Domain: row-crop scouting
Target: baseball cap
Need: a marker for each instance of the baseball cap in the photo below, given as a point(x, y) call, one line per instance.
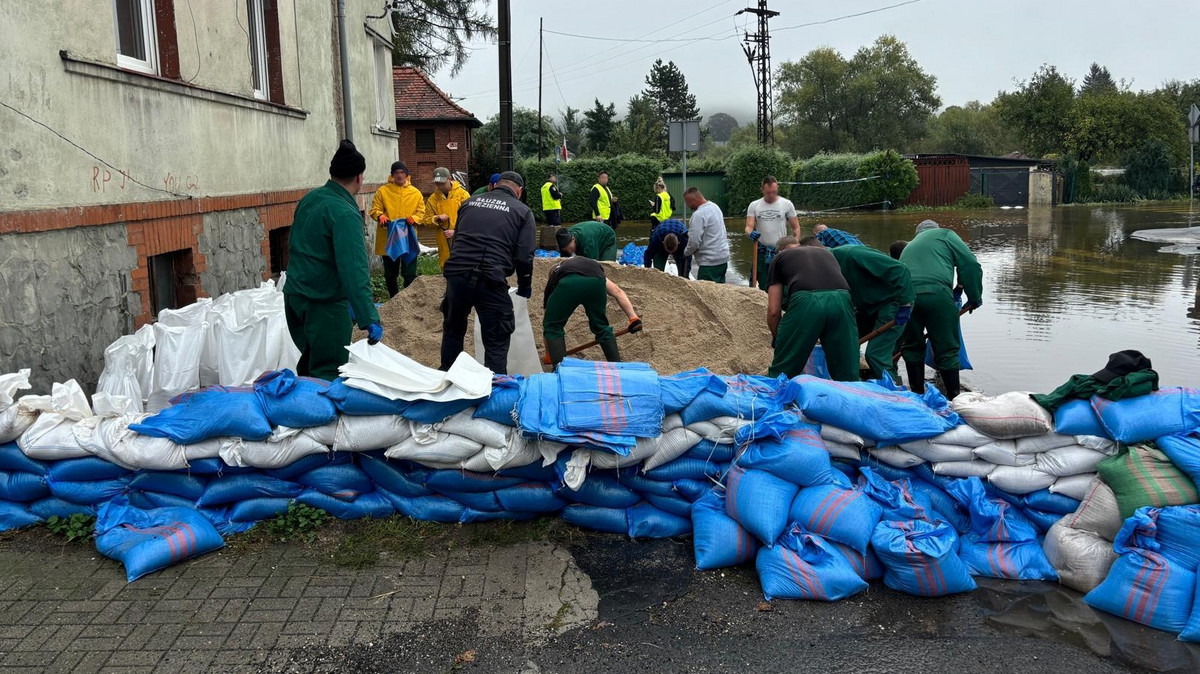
point(1122, 363)
point(494, 179)
point(512, 177)
point(441, 174)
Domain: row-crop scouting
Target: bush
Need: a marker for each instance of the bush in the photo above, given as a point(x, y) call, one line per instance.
point(77, 527)
point(300, 522)
point(631, 179)
point(1114, 193)
point(1148, 168)
point(898, 178)
point(746, 170)
point(975, 201)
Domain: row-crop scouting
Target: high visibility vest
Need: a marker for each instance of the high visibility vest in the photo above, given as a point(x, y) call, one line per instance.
point(549, 203)
point(664, 213)
point(604, 205)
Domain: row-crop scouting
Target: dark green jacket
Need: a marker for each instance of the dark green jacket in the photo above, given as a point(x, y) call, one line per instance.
point(932, 258)
point(876, 280)
point(595, 240)
point(327, 259)
point(1084, 386)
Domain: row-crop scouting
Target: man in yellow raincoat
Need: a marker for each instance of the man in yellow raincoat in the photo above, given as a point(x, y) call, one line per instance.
point(398, 201)
point(441, 211)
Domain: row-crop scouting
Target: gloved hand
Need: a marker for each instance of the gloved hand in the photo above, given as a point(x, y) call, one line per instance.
point(410, 221)
point(635, 325)
point(972, 306)
point(374, 333)
point(755, 236)
point(525, 289)
point(903, 314)
point(383, 220)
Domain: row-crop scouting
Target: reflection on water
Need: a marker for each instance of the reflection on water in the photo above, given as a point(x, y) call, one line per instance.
point(1050, 611)
point(1063, 288)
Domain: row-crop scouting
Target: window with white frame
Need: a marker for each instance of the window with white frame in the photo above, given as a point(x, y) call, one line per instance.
point(258, 48)
point(385, 104)
point(136, 44)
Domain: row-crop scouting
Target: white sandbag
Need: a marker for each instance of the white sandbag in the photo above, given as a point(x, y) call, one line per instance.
point(477, 463)
point(1081, 558)
point(642, 450)
point(283, 448)
point(895, 457)
point(445, 448)
point(936, 451)
point(1004, 453)
point(520, 451)
point(721, 430)
point(577, 468)
point(209, 449)
point(380, 370)
point(110, 439)
point(672, 421)
point(672, 445)
point(1073, 486)
point(10, 384)
point(1073, 460)
point(1004, 417)
point(1043, 443)
point(120, 375)
point(963, 435)
point(484, 431)
point(974, 468)
point(179, 337)
point(549, 450)
point(1098, 512)
point(1109, 447)
point(14, 418)
point(522, 350)
point(326, 434)
point(1020, 479)
point(51, 437)
point(363, 434)
point(842, 436)
point(838, 450)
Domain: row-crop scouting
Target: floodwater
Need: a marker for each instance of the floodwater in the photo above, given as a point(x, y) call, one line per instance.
point(1063, 287)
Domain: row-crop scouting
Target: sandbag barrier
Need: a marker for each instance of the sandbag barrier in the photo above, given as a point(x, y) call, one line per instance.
point(823, 485)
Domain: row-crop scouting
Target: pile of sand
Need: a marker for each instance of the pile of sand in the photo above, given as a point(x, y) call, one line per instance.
point(688, 324)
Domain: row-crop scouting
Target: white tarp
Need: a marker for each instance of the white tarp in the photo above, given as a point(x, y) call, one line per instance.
point(382, 371)
point(522, 350)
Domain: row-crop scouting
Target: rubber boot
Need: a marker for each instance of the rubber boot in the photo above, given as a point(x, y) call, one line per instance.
point(557, 350)
point(916, 376)
point(951, 381)
point(611, 353)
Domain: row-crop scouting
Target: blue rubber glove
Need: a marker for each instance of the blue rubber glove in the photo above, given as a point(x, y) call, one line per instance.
point(374, 333)
point(903, 314)
point(973, 306)
point(755, 235)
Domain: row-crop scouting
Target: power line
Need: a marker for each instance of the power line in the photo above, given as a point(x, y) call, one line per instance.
point(847, 16)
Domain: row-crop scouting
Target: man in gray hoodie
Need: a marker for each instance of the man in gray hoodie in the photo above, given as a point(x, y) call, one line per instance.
point(707, 239)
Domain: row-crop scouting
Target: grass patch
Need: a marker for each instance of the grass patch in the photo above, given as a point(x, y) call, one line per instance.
point(427, 265)
point(965, 203)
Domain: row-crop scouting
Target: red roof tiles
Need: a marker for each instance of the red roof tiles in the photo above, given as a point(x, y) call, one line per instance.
point(418, 98)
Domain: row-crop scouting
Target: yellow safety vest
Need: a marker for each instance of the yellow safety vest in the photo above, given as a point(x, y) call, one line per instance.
point(549, 203)
point(604, 205)
point(664, 213)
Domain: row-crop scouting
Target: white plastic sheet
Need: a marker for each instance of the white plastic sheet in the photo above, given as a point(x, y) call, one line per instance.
point(522, 349)
point(52, 436)
point(14, 418)
point(382, 371)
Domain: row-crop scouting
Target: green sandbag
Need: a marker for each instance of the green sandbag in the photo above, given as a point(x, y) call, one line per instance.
point(1142, 475)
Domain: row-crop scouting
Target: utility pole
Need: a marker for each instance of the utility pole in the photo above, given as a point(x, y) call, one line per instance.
point(1193, 138)
point(757, 47)
point(504, 26)
point(541, 51)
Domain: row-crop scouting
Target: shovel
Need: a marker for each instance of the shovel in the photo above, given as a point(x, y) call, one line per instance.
point(571, 352)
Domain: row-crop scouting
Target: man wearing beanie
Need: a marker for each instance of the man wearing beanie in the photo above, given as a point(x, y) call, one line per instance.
point(494, 238)
point(397, 204)
point(327, 270)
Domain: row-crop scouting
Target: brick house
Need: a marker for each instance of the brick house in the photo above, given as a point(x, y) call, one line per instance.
point(434, 130)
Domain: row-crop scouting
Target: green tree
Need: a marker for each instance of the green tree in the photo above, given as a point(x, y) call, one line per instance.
point(641, 130)
point(812, 101)
point(525, 132)
point(973, 128)
point(600, 122)
point(1097, 81)
point(432, 34)
point(668, 88)
point(572, 129)
point(1038, 112)
point(1181, 95)
point(721, 126)
point(1107, 126)
point(1148, 169)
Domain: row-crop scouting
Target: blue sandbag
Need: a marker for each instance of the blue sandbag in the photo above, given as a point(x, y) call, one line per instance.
point(1168, 411)
point(679, 390)
point(818, 364)
point(16, 516)
point(371, 504)
point(609, 398)
point(234, 488)
point(530, 497)
point(632, 254)
point(644, 485)
point(85, 469)
point(501, 405)
point(691, 489)
point(295, 469)
point(1041, 519)
point(874, 411)
point(220, 520)
point(1148, 588)
point(1184, 452)
point(675, 505)
point(1047, 501)
point(920, 558)
point(600, 489)
point(215, 466)
point(473, 515)
point(476, 500)
point(391, 476)
point(22, 487)
point(258, 509)
point(93, 492)
point(921, 471)
point(534, 472)
point(718, 540)
point(358, 403)
point(430, 412)
point(465, 480)
point(686, 468)
point(944, 505)
point(1078, 418)
point(344, 482)
point(148, 500)
point(215, 412)
point(646, 521)
point(1191, 631)
point(992, 519)
point(803, 566)
point(1178, 533)
point(747, 396)
point(598, 518)
point(759, 501)
point(14, 460)
point(295, 402)
point(1019, 560)
point(866, 565)
point(798, 457)
point(707, 450)
point(187, 486)
point(427, 508)
point(898, 499)
point(146, 541)
point(842, 515)
point(55, 507)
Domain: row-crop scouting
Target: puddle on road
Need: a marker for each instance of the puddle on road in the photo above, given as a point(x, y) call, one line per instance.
point(1050, 611)
point(630, 577)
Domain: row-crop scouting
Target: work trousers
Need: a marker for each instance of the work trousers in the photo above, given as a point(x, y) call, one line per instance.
point(714, 273)
point(827, 315)
point(572, 292)
point(881, 348)
point(321, 331)
point(491, 302)
point(682, 262)
point(765, 255)
point(935, 311)
point(553, 218)
point(394, 270)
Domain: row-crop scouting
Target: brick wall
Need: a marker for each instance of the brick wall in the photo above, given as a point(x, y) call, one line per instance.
point(422, 164)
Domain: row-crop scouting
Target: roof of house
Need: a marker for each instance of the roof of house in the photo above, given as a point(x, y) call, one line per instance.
point(419, 99)
point(1010, 159)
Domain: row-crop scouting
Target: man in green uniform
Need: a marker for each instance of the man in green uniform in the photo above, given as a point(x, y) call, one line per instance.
point(590, 238)
point(881, 290)
point(932, 258)
point(575, 282)
point(818, 307)
point(327, 270)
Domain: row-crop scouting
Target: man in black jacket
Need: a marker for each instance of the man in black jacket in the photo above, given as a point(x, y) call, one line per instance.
point(495, 236)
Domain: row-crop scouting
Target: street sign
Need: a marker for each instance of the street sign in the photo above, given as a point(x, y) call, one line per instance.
point(683, 136)
point(1194, 135)
point(451, 146)
point(1194, 116)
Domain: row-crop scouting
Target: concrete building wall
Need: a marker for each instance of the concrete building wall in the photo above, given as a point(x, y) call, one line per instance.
point(1041, 188)
point(232, 245)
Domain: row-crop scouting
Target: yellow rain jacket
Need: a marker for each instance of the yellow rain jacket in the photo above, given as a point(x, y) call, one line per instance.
point(444, 204)
point(397, 203)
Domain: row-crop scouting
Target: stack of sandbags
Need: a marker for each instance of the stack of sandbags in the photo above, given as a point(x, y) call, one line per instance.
point(1079, 546)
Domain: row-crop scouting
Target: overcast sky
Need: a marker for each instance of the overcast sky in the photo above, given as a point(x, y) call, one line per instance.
point(974, 48)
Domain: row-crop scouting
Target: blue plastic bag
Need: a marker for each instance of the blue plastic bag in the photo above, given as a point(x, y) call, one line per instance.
point(14, 460)
point(898, 499)
point(146, 541)
point(538, 412)
point(691, 489)
point(920, 558)
point(22, 487)
point(870, 409)
point(179, 484)
point(598, 518)
point(718, 540)
point(401, 242)
point(707, 450)
point(392, 477)
point(501, 405)
point(866, 565)
point(632, 254)
point(1041, 519)
point(84, 469)
point(804, 566)
point(472, 515)
point(679, 390)
point(759, 501)
point(1147, 588)
point(295, 402)
point(427, 508)
point(467, 481)
point(1078, 418)
point(92, 492)
point(16, 516)
point(944, 506)
point(293, 470)
point(992, 519)
point(148, 500)
point(646, 521)
point(817, 365)
point(258, 509)
point(746, 396)
point(430, 412)
point(55, 507)
point(215, 412)
point(795, 452)
point(358, 403)
point(530, 497)
point(1018, 560)
point(479, 501)
point(616, 398)
point(1178, 533)
point(344, 482)
point(1047, 501)
point(534, 472)
point(686, 468)
point(1184, 452)
point(964, 361)
point(371, 504)
point(234, 488)
point(600, 489)
point(676, 505)
point(1169, 411)
point(842, 515)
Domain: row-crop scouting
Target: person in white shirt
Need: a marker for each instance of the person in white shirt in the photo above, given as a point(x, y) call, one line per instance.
point(708, 241)
point(766, 221)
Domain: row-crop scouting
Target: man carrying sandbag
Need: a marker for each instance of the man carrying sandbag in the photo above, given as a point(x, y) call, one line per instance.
point(933, 257)
point(575, 282)
point(495, 236)
point(590, 239)
point(327, 269)
point(818, 307)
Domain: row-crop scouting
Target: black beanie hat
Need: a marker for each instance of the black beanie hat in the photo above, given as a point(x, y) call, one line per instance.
point(563, 238)
point(347, 161)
